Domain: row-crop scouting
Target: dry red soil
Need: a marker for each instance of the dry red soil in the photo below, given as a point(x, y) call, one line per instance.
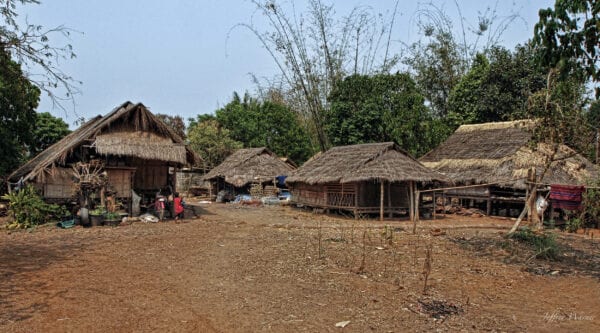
point(278, 269)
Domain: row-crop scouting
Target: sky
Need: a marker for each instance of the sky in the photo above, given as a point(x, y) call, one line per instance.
point(184, 57)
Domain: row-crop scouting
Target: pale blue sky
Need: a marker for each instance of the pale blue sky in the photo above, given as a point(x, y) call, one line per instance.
point(174, 56)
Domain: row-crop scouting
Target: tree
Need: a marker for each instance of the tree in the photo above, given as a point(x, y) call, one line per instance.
point(47, 131)
point(18, 101)
point(268, 124)
point(568, 38)
point(31, 47)
point(439, 61)
point(315, 50)
point(380, 108)
point(496, 88)
point(176, 123)
point(212, 142)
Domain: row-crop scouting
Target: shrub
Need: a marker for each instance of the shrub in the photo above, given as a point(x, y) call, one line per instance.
point(27, 209)
point(544, 244)
point(573, 224)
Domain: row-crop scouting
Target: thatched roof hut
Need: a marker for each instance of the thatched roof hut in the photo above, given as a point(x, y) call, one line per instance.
point(250, 165)
point(365, 178)
point(365, 162)
point(502, 152)
point(129, 139)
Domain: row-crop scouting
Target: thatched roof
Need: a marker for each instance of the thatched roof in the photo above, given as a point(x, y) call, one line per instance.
point(250, 165)
point(129, 130)
point(372, 161)
point(492, 152)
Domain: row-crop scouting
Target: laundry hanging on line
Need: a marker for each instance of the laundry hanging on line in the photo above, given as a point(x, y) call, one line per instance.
point(566, 196)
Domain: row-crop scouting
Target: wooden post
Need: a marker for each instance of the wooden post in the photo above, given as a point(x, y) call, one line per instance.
point(416, 215)
point(489, 202)
point(434, 205)
point(411, 201)
point(356, 188)
point(381, 200)
point(389, 198)
point(535, 218)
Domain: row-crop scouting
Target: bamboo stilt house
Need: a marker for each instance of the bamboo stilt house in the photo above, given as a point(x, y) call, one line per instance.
point(500, 154)
point(136, 149)
point(361, 179)
point(245, 167)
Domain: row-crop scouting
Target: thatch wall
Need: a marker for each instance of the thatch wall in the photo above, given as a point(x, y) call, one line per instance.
point(501, 152)
point(366, 162)
point(250, 165)
point(144, 145)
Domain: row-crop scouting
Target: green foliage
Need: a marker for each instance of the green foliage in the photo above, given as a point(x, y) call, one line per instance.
point(34, 47)
point(48, 130)
point(437, 66)
point(591, 203)
point(568, 38)
point(266, 124)
point(27, 209)
point(381, 108)
point(573, 224)
point(497, 87)
point(544, 244)
point(211, 141)
point(18, 101)
point(559, 109)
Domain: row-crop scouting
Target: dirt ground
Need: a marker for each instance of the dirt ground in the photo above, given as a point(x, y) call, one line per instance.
point(279, 269)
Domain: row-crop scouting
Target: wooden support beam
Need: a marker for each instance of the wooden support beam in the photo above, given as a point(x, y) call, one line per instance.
point(381, 200)
point(389, 199)
point(356, 188)
point(410, 200)
point(434, 205)
point(417, 200)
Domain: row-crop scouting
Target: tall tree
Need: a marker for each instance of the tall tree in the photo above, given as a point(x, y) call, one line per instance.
point(48, 130)
point(34, 47)
point(315, 50)
point(497, 87)
point(380, 108)
point(568, 37)
point(211, 141)
point(18, 101)
point(440, 59)
point(258, 123)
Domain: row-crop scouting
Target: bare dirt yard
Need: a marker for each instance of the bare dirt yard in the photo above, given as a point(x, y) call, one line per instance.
point(279, 269)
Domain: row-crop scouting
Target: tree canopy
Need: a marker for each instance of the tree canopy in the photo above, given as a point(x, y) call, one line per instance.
point(18, 101)
point(211, 141)
point(568, 37)
point(379, 108)
point(497, 87)
point(266, 124)
point(48, 130)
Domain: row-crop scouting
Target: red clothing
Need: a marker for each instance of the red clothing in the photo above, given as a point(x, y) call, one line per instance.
point(178, 206)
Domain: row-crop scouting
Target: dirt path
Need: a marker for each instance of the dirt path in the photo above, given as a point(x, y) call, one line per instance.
point(276, 269)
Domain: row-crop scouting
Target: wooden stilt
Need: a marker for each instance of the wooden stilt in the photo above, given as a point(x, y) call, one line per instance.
point(417, 201)
point(381, 200)
point(410, 201)
point(434, 205)
point(356, 189)
point(389, 199)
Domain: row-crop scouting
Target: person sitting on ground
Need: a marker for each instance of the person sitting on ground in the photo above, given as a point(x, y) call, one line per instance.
point(178, 206)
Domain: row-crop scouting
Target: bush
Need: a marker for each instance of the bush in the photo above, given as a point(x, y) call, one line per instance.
point(573, 224)
point(544, 244)
point(27, 209)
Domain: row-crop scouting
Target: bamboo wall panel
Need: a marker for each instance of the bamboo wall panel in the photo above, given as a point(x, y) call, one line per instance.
point(120, 181)
point(59, 184)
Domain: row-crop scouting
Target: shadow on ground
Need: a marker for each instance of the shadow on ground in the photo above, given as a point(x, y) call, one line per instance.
point(19, 262)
